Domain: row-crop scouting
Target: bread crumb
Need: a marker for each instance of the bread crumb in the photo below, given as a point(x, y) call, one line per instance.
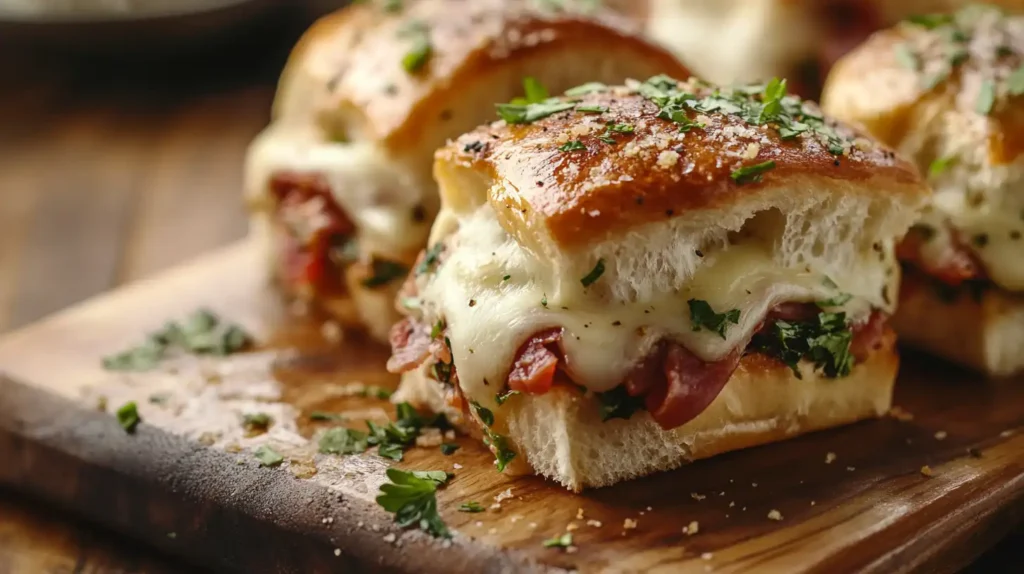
point(449, 435)
point(359, 524)
point(649, 509)
point(507, 494)
point(579, 514)
point(692, 528)
point(851, 468)
point(812, 503)
point(774, 514)
point(532, 525)
point(830, 457)
point(594, 523)
point(754, 484)
point(492, 531)
point(375, 528)
point(629, 524)
point(940, 435)
point(516, 518)
point(571, 526)
point(337, 551)
point(1006, 433)
point(495, 506)
point(752, 150)
point(478, 524)
point(668, 158)
point(697, 497)
point(389, 537)
point(571, 549)
point(900, 414)
point(429, 437)
point(927, 470)
point(731, 504)
point(456, 466)
point(707, 556)
point(331, 332)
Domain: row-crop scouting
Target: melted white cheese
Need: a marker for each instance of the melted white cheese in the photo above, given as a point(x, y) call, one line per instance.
point(492, 295)
point(994, 235)
point(373, 189)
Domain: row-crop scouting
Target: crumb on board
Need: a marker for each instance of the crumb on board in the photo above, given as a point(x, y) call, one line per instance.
point(774, 514)
point(579, 514)
point(830, 457)
point(851, 468)
point(594, 523)
point(1006, 433)
point(697, 497)
point(900, 414)
point(707, 556)
point(337, 551)
point(940, 435)
point(449, 435)
point(331, 331)
point(812, 503)
point(504, 495)
point(390, 537)
point(629, 524)
point(429, 437)
point(927, 471)
point(692, 528)
point(571, 526)
point(456, 466)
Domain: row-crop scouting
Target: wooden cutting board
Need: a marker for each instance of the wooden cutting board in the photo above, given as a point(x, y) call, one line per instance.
point(187, 480)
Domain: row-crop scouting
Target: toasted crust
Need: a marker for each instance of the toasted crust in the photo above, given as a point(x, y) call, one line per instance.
point(561, 436)
point(932, 109)
point(347, 70)
point(656, 172)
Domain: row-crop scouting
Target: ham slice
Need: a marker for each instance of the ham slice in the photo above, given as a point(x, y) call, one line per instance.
point(410, 345)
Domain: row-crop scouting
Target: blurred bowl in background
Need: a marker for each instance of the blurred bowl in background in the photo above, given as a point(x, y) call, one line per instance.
point(132, 29)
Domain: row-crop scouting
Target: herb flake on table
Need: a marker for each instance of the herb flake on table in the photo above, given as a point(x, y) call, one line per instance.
point(201, 333)
point(563, 541)
point(412, 498)
point(268, 457)
point(128, 416)
point(471, 506)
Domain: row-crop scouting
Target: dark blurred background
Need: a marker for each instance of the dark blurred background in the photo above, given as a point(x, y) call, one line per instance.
point(121, 149)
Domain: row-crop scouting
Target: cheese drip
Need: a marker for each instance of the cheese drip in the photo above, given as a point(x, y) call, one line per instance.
point(994, 234)
point(493, 295)
point(371, 188)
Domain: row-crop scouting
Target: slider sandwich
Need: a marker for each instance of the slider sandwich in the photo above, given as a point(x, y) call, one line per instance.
point(339, 184)
point(947, 91)
point(654, 273)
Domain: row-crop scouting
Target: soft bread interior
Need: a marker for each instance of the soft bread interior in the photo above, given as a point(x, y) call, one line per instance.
point(562, 437)
point(981, 330)
point(843, 230)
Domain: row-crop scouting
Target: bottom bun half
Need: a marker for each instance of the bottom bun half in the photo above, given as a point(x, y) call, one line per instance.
point(560, 435)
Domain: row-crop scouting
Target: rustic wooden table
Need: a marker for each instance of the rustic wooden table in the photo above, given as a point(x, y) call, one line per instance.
point(110, 171)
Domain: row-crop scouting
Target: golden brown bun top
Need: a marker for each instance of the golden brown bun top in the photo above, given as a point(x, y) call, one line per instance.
point(938, 81)
point(356, 70)
point(583, 174)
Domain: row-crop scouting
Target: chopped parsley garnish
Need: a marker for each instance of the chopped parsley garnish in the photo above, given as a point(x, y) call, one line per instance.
point(931, 21)
point(325, 416)
point(375, 392)
point(485, 414)
point(535, 92)
point(449, 448)
point(584, 89)
point(572, 145)
point(128, 416)
point(529, 113)
point(420, 50)
point(340, 440)
point(563, 541)
point(837, 301)
point(751, 173)
point(594, 274)
point(268, 456)
point(257, 422)
point(431, 258)
point(1015, 82)
point(500, 398)
point(437, 329)
point(907, 58)
point(938, 166)
point(384, 272)
point(201, 333)
point(411, 496)
point(471, 506)
point(825, 341)
point(702, 316)
point(503, 453)
point(594, 109)
point(755, 104)
point(618, 404)
point(986, 98)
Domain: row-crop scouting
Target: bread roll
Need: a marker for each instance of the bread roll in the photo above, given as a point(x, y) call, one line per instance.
point(339, 183)
point(712, 265)
point(945, 90)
